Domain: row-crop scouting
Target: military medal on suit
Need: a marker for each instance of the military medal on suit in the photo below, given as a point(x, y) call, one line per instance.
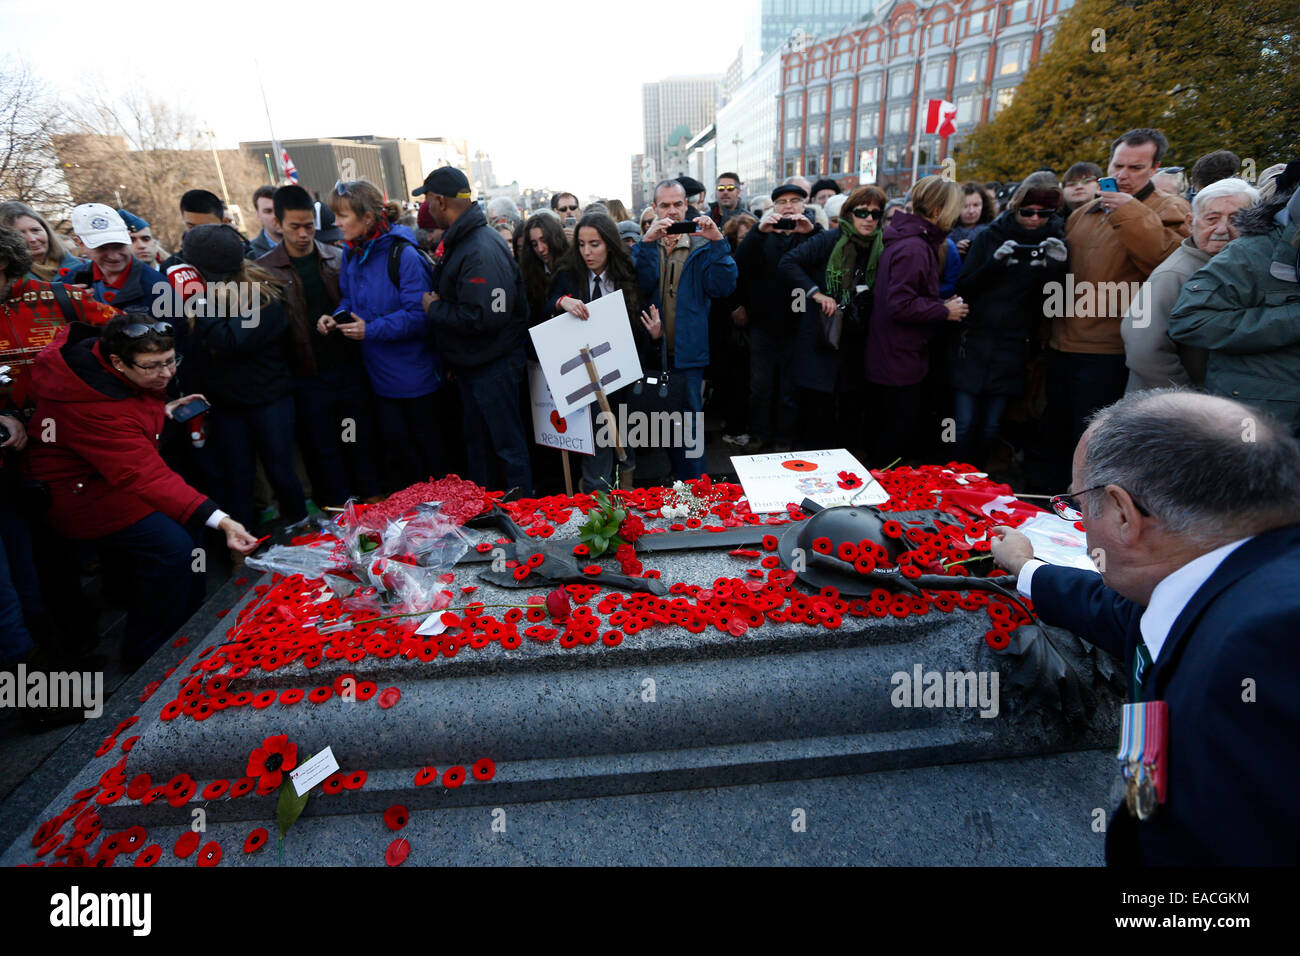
point(1143, 744)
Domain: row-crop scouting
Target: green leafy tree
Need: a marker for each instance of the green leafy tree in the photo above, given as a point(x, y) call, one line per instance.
point(1218, 74)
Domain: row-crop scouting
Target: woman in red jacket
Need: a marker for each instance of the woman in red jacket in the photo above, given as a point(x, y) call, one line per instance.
point(100, 409)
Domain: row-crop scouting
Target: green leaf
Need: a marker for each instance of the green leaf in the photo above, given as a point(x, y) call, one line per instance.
point(619, 515)
point(598, 545)
point(291, 805)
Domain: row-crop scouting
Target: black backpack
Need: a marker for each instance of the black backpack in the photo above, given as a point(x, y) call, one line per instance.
point(395, 260)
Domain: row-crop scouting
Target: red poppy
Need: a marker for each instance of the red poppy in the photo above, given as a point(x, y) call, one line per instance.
point(139, 786)
point(453, 777)
point(269, 761)
point(425, 776)
point(215, 789)
point(612, 638)
point(333, 783)
point(291, 696)
point(355, 780)
point(592, 569)
point(484, 769)
point(256, 840)
point(186, 844)
point(319, 695)
point(242, 786)
point(210, 855)
point(149, 856)
point(388, 697)
point(397, 852)
point(848, 480)
point(395, 817)
point(997, 639)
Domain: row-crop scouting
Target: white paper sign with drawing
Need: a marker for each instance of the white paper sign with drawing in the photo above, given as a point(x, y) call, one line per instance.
point(829, 477)
point(570, 432)
point(607, 336)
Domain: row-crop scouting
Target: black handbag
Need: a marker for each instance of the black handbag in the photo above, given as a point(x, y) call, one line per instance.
point(830, 328)
point(661, 391)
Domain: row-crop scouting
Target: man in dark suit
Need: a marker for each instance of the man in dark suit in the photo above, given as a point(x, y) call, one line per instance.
point(1192, 509)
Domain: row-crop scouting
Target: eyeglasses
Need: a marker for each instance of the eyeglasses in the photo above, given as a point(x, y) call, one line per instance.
point(137, 329)
point(1036, 213)
point(567, 208)
point(727, 189)
point(172, 363)
point(861, 212)
point(1067, 506)
point(1082, 182)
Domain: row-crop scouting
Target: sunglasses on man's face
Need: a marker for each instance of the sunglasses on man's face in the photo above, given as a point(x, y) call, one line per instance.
point(863, 213)
point(727, 189)
point(567, 208)
point(1037, 213)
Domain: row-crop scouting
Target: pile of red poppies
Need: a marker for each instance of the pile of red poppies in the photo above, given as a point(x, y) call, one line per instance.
point(299, 620)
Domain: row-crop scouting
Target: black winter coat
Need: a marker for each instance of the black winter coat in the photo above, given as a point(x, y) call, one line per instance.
point(762, 290)
point(482, 309)
point(241, 361)
point(818, 368)
point(989, 350)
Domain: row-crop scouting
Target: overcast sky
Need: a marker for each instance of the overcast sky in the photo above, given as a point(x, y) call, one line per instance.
point(550, 90)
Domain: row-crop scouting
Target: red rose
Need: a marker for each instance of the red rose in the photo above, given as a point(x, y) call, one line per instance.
point(557, 605)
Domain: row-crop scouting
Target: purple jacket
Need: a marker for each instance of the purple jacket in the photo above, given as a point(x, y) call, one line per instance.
point(907, 310)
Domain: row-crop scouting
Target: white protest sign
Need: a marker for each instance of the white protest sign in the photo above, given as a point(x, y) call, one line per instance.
point(570, 432)
point(773, 481)
point(606, 334)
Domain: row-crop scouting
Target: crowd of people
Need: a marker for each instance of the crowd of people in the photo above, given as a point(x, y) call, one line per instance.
point(354, 345)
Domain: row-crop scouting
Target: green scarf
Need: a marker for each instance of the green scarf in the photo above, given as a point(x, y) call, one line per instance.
point(843, 262)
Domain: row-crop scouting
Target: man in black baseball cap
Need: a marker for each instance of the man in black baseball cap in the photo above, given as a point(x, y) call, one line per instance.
point(478, 317)
point(445, 181)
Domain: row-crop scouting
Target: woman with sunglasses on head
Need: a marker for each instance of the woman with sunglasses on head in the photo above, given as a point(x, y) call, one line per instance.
point(1003, 280)
point(836, 271)
point(101, 402)
point(382, 285)
point(240, 346)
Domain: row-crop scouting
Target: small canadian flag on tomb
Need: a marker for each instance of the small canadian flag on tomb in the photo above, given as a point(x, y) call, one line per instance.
point(940, 118)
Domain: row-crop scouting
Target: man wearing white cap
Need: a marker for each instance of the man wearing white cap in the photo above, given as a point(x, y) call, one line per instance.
point(114, 276)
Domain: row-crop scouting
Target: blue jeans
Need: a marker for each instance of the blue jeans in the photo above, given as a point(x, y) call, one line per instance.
point(238, 431)
point(978, 418)
point(339, 469)
point(684, 464)
point(165, 590)
point(493, 422)
point(15, 642)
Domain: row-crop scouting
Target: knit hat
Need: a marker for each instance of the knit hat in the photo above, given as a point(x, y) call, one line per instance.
point(216, 251)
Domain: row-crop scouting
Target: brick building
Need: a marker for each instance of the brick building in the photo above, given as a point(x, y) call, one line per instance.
point(849, 102)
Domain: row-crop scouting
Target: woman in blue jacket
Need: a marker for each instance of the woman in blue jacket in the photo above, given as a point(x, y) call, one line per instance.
point(382, 284)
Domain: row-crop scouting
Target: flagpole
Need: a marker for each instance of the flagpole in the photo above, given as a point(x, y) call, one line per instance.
point(916, 112)
point(275, 143)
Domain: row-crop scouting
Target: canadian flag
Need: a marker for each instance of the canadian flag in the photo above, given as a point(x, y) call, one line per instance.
point(939, 118)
